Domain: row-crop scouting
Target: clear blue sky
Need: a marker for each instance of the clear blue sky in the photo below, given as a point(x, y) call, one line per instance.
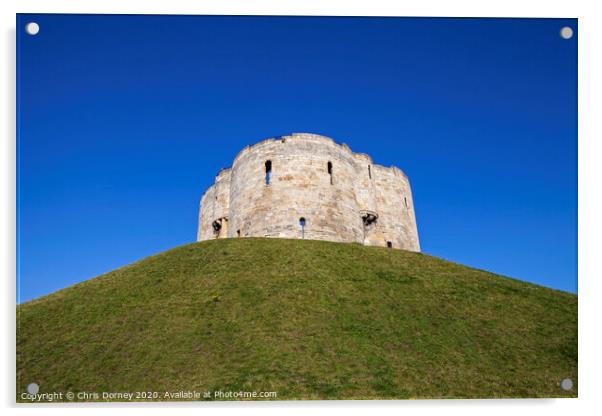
point(123, 122)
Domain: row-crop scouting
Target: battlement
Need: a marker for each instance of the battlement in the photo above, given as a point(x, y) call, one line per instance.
point(306, 185)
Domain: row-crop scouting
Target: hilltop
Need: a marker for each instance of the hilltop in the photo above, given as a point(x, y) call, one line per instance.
point(306, 319)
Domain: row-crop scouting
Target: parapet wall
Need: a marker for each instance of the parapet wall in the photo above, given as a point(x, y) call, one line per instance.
point(317, 189)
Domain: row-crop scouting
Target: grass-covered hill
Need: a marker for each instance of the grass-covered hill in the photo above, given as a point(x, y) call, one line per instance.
point(306, 319)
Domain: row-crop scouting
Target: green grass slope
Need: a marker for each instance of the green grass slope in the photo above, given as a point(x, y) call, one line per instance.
point(306, 319)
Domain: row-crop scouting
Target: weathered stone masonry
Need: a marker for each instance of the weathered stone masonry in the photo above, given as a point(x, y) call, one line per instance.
point(307, 186)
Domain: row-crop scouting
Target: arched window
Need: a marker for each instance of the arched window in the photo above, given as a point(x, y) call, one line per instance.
point(330, 171)
point(268, 171)
point(369, 172)
point(302, 224)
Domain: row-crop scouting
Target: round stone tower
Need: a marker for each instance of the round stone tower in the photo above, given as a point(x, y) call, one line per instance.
point(307, 186)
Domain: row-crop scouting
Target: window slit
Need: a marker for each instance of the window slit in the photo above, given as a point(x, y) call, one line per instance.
point(268, 171)
point(302, 224)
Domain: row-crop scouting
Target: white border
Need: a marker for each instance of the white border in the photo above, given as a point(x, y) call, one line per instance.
point(590, 181)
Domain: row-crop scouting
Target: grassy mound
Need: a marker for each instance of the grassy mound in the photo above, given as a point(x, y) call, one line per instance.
point(304, 319)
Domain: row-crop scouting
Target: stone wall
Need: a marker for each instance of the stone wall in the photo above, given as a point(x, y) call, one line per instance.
point(341, 195)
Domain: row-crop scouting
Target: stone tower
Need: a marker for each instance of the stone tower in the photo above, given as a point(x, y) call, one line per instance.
point(307, 186)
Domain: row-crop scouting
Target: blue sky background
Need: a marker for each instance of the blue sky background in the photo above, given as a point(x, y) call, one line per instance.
point(123, 122)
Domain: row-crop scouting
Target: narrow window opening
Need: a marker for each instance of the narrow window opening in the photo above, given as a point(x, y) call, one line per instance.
point(268, 171)
point(405, 200)
point(302, 224)
point(330, 171)
point(389, 244)
point(369, 172)
point(238, 233)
